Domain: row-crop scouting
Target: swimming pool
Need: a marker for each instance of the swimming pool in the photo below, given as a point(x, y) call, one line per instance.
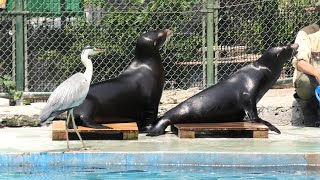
point(160, 172)
point(159, 165)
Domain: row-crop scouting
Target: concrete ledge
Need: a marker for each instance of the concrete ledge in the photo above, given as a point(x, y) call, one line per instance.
point(19, 116)
point(159, 159)
point(4, 102)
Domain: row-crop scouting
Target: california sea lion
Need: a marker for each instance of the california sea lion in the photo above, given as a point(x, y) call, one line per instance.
point(229, 100)
point(133, 95)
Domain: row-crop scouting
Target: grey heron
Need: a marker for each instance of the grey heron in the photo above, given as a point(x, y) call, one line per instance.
point(70, 93)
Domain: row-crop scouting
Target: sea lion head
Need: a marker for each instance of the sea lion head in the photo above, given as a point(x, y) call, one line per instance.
point(275, 58)
point(285, 53)
point(150, 42)
point(279, 55)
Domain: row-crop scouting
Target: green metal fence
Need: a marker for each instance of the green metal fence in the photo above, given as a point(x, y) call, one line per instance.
point(41, 41)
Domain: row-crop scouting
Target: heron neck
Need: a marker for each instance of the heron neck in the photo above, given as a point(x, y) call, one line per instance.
point(88, 64)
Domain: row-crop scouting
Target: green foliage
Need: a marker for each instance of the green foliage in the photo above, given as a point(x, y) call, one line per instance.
point(265, 24)
point(117, 32)
point(255, 25)
point(26, 102)
point(10, 87)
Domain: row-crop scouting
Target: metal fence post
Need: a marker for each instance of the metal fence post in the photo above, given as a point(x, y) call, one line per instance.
point(19, 46)
point(204, 68)
point(216, 38)
point(210, 64)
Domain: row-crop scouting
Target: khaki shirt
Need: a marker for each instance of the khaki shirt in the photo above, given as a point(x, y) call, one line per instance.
point(307, 43)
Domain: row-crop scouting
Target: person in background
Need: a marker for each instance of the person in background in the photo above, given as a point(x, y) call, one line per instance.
point(307, 71)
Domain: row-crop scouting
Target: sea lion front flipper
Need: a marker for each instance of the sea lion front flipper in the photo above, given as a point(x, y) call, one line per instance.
point(250, 108)
point(270, 126)
point(150, 118)
point(159, 128)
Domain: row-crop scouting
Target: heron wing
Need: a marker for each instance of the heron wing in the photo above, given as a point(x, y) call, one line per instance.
point(67, 95)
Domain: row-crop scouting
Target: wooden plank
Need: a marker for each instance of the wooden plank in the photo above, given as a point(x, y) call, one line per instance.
point(124, 131)
point(229, 129)
point(246, 58)
point(186, 134)
point(260, 134)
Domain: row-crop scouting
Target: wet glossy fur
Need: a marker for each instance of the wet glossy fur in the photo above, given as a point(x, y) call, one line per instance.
point(230, 99)
point(132, 96)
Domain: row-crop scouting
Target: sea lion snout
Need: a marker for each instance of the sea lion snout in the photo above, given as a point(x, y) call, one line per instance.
point(168, 32)
point(294, 46)
point(289, 51)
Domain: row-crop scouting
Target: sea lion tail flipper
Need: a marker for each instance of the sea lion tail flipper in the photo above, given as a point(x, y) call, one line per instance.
point(92, 124)
point(97, 126)
point(159, 128)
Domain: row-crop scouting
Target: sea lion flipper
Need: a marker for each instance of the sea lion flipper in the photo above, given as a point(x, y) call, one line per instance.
point(96, 125)
point(150, 115)
point(86, 121)
point(250, 107)
point(270, 126)
point(159, 128)
point(145, 129)
point(255, 118)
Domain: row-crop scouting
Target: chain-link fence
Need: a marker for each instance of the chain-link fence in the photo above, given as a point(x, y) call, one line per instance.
point(41, 41)
point(247, 28)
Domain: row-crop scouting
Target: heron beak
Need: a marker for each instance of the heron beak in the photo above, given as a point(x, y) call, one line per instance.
point(99, 50)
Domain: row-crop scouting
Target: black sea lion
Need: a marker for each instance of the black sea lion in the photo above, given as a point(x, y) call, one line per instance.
point(229, 100)
point(133, 95)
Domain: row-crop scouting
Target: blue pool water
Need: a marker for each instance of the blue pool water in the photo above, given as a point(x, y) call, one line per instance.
point(160, 172)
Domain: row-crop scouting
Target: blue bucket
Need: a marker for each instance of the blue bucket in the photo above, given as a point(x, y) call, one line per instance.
point(317, 92)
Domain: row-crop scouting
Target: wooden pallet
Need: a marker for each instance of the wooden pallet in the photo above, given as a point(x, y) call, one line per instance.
point(231, 129)
point(124, 131)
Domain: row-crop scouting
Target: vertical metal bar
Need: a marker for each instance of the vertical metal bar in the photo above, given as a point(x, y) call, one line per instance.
point(216, 39)
point(19, 46)
point(25, 40)
point(210, 65)
point(204, 46)
point(13, 46)
point(63, 7)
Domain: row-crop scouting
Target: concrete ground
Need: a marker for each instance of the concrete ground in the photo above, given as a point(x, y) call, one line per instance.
point(301, 141)
point(292, 140)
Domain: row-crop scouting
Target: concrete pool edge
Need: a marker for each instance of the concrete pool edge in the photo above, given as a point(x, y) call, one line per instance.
point(159, 158)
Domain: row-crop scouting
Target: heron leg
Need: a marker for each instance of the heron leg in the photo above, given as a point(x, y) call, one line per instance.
point(75, 128)
point(67, 134)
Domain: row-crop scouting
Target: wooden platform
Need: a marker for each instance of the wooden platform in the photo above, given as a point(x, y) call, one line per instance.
point(123, 131)
point(232, 129)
